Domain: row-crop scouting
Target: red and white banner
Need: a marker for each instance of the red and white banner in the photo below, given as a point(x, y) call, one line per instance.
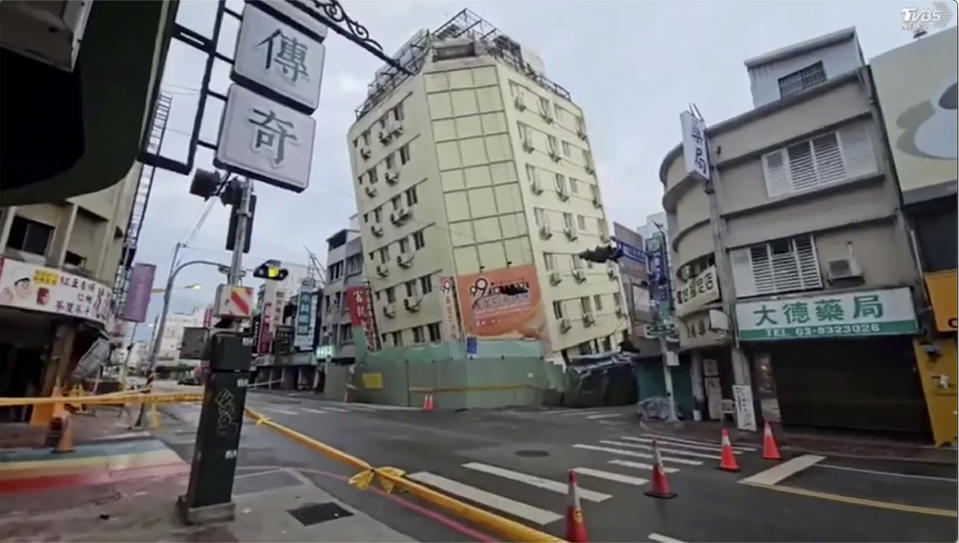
point(361, 313)
point(38, 288)
point(451, 325)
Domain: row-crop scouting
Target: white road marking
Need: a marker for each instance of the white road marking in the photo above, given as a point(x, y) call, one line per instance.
point(609, 415)
point(695, 441)
point(317, 411)
point(577, 412)
point(662, 538)
point(668, 443)
point(533, 480)
point(639, 465)
point(788, 468)
point(636, 454)
point(495, 501)
point(890, 473)
point(662, 449)
point(336, 409)
point(612, 476)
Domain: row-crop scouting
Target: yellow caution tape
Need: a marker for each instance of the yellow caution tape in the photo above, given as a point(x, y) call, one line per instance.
point(111, 398)
point(390, 478)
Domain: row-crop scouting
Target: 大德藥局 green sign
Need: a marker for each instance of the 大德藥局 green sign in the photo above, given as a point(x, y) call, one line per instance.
point(865, 313)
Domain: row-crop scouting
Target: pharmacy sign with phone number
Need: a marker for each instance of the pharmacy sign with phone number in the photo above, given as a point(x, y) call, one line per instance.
point(864, 313)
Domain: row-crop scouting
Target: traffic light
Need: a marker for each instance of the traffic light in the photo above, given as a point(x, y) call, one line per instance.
point(205, 184)
point(271, 271)
point(602, 253)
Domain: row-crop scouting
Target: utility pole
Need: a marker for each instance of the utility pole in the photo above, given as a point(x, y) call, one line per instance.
point(664, 323)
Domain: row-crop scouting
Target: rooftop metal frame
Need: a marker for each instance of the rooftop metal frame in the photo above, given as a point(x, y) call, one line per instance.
point(465, 24)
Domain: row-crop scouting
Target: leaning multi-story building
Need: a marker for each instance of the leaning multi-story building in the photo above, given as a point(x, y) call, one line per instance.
point(476, 171)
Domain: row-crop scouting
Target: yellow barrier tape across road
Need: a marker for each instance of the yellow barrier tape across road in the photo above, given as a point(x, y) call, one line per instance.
point(392, 477)
point(134, 397)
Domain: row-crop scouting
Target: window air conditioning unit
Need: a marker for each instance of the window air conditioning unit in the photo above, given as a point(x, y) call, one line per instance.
point(389, 310)
point(590, 167)
point(370, 191)
point(545, 232)
point(564, 325)
point(405, 259)
point(620, 311)
point(536, 187)
point(395, 127)
point(392, 176)
point(579, 275)
point(412, 303)
point(385, 136)
point(604, 237)
point(596, 202)
point(611, 270)
point(589, 319)
point(581, 133)
point(563, 194)
point(383, 270)
point(554, 155)
point(400, 215)
point(571, 233)
point(365, 152)
point(377, 230)
point(528, 145)
point(519, 102)
point(555, 278)
point(843, 268)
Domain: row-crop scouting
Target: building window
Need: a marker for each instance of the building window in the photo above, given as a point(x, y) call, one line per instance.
point(404, 244)
point(549, 261)
point(390, 295)
point(366, 138)
point(800, 80)
point(543, 106)
point(524, 133)
point(585, 305)
point(390, 162)
point(418, 335)
point(825, 159)
point(568, 221)
point(577, 262)
point(426, 284)
point(384, 254)
point(371, 174)
point(601, 225)
point(434, 331)
point(336, 299)
point(566, 149)
point(785, 265)
point(73, 259)
point(558, 309)
point(29, 236)
point(398, 338)
point(585, 347)
point(598, 301)
point(366, 218)
point(594, 190)
point(354, 264)
point(560, 112)
point(346, 333)
point(396, 201)
point(553, 144)
point(573, 186)
point(617, 299)
point(376, 214)
point(411, 196)
point(410, 288)
point(405, 153)
point(531, 174)
point(398, 112)
point(418, 240)
point(560, 181)
point(607, 344)
point(581, 222)
point(539, 215)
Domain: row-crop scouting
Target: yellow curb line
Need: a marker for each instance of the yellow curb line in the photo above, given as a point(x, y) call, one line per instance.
point(905, 508)
point(390, 477)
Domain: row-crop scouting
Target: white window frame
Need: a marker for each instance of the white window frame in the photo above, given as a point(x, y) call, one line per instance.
point(744, 268)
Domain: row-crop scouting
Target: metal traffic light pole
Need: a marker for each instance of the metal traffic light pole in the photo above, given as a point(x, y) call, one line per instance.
point(242, 227)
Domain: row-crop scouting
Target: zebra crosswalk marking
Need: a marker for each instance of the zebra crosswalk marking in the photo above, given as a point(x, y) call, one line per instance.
point(670, 443)
point(680, 452)
point(692, 441)
point(533, 480)
point(612, 476)
point(639, 465)
point(495, 501)
point(317, 411)
point(636, 454)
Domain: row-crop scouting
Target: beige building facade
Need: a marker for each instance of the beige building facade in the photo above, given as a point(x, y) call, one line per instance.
point(473, 165)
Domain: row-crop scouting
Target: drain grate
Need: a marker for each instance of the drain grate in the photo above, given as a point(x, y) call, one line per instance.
point(315, 513)
point(532, 453)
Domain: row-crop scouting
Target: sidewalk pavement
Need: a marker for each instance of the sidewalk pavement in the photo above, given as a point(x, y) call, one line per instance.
point(812, 442)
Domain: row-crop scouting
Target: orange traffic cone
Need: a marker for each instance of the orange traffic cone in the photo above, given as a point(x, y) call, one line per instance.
point(575, 528)
point(346, 396)
point(727, 460)
point(428, 402)
point(60, 434)
point(770, 450)
point(660, 486)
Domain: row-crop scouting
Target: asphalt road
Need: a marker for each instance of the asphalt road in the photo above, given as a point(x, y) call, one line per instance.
point(515, 462)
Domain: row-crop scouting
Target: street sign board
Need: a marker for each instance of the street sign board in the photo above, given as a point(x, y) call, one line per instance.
point(262, 139)
point(233, 301)
point(278, 60)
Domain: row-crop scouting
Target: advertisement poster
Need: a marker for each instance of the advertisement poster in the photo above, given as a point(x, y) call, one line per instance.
point(33, 287)
point(488, 313)
point(361, 313)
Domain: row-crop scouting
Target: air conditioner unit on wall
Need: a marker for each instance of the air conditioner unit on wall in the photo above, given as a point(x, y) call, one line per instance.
point(555, 278)
point(564, 325)
point(589, 319)
point(412, 303)
point(843, 268)
point(392, 176)
point(389, 310)
point(579, 275)
point(405, 259)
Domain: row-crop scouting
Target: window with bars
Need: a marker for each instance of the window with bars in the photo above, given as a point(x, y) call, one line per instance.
point(825, 159)
point(800, 80)
point(785, 265)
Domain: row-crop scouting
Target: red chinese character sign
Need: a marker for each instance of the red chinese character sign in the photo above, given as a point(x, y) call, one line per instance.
point(32, 287)
point(361, 313)
point(491, 311)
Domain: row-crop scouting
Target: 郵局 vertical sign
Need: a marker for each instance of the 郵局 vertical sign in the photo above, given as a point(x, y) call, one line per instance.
point(358, 303)
point(489, 313)
point(451, 325)
point(138, 293)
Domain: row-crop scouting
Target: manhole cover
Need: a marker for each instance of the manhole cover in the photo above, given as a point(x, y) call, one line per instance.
point(532, 453)
point(315, 513)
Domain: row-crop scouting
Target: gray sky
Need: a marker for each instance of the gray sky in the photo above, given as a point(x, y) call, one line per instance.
point(631, 65)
